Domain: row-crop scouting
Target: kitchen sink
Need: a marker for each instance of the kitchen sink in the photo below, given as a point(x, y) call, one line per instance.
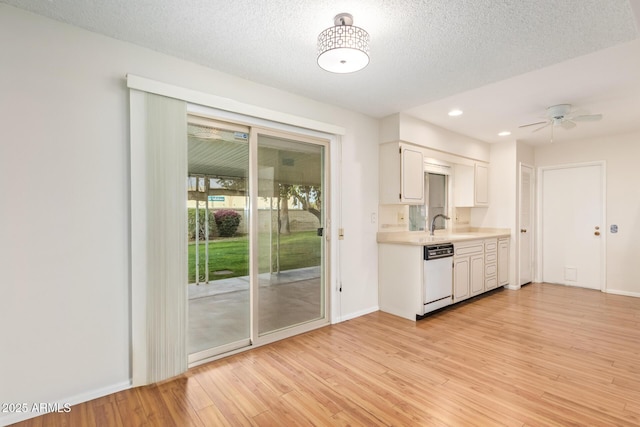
point(429, 239)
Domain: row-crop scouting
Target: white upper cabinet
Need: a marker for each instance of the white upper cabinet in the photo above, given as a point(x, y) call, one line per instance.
point(481, 185)
point(401, 174)
point(471, 187)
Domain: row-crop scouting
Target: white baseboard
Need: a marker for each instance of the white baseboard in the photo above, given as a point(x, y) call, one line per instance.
point(625, 293)
point(356, 314)
point(15, 417)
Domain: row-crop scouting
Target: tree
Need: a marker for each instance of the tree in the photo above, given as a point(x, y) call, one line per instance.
point(308, 197)
point(236, 184)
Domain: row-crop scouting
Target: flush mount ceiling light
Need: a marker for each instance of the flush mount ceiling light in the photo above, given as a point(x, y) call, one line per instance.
point(504, 133)
point(455, 113)
point(343, 48)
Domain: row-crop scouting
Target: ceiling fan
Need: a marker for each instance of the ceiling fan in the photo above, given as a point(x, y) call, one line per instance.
point(561, 115)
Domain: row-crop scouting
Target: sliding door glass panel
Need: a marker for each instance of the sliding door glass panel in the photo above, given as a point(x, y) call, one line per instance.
point(291, 194)
point(218, 219)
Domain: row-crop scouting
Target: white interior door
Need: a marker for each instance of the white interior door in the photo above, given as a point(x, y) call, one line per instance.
point(525, 225)
point(572, 218)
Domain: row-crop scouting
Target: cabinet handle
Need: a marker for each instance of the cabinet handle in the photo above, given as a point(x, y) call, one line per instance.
point(597, 233)
point(523, 230)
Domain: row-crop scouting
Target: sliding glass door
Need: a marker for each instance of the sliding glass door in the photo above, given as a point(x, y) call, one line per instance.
point(256, 231)
point(218, 228)
point(291, 241)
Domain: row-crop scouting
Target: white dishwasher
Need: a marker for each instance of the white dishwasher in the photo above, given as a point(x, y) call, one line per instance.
point(438, 277)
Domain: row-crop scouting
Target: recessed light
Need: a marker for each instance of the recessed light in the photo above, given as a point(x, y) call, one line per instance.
point(455, 113)
point(504, 133)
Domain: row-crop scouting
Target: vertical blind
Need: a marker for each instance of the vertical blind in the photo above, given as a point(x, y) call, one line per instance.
point(158, 237)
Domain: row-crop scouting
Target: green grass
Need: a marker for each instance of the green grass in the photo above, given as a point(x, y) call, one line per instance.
point(297, 250)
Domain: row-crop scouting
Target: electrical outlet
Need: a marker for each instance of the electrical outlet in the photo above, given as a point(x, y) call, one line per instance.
point(400, 217)
point(340, 233)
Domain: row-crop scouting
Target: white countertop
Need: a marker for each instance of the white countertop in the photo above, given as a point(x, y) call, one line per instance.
point(421, 238)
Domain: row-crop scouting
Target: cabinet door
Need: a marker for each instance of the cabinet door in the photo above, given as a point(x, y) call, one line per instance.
point(463, 193)
point(471, 185)
point(481, 185)
point(460, 279)
point(412, 170)
point(503, 262)
point(476, 274)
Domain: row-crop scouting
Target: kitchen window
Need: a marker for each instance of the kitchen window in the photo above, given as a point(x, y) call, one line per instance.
point(436, 188)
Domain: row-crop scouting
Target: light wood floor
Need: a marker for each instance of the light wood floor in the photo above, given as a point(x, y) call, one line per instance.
point(544, 355)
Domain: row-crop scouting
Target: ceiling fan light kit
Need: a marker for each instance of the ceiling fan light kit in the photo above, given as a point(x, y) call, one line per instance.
point(343, 48)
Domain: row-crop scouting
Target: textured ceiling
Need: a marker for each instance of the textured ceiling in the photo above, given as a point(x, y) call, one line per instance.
point(421, 51)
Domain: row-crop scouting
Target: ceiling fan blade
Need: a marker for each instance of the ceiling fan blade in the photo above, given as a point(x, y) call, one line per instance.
point(587, 118)
point(567, 124)
point(541, 127)
point(532, 124)
point(577, 112)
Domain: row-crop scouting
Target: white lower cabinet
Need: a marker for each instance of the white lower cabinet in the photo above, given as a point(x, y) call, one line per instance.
point(461, 268)
point(490, 264)
point(400, 277)
point(503, 262)
point(476, 275)
point(478, 266)
point(468, 269)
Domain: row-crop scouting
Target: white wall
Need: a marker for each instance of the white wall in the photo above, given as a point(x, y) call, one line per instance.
point(622, 154)
point(501, 212)
point(502, 188)
point(64, 218)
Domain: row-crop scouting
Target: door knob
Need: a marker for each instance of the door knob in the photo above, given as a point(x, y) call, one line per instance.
point(597, 233)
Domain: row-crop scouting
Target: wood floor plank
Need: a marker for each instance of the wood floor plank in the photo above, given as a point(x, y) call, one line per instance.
point(102, 412)
point(211, 416)
point(130, 408)
point(546, 355)
point(155, 411)
point(175, 398)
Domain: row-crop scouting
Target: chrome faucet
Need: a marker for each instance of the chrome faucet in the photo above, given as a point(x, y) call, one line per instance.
point(433, 222)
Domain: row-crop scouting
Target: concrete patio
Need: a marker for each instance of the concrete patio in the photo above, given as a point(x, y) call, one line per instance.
point(219, 310)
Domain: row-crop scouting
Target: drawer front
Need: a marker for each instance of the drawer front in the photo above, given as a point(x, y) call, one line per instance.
point(468, 250)
point(490, 269)
point(492, 257)
point(491, 245)
point(490, 283)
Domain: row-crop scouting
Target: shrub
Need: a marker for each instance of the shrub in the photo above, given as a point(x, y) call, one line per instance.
point(227, 222)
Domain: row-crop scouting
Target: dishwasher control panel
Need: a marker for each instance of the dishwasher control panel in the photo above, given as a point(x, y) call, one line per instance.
point(441, 250)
